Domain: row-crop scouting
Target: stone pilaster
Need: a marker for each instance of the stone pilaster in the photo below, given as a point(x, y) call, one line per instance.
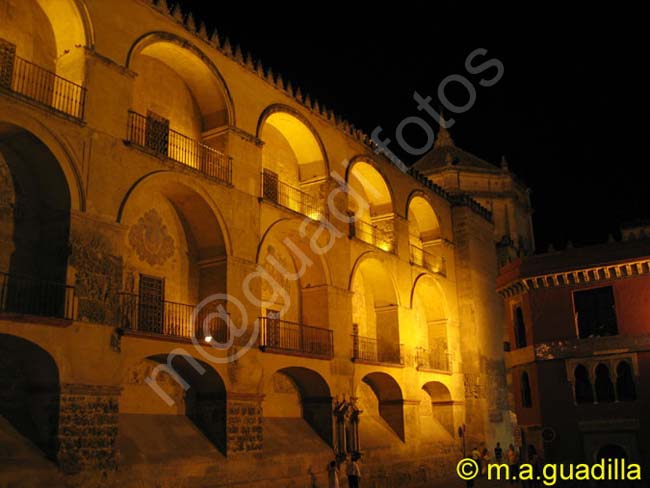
point(88, 426)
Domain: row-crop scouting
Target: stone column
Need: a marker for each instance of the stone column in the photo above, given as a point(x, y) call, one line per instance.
point(88, 427)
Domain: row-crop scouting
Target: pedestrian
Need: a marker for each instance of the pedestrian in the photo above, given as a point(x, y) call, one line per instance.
point(469, 483)
point(536, 462)
point(498, 453)
point(354, 473)
point(513, 464)
point(333, 475)
point(485, 460)
point(476, 455)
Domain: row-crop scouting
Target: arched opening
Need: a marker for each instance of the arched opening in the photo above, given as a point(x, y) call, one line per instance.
point(29, 397)
point(375, 314)
point(431, 325)
point(294, 163)
point(437, 411)
point(424, 235)
point(605, 392)
point(526, 395)
point(175, 258)
point(625, 387)
point(294, 292)
point(181, 107)
point(34, 227)
point(165, 398)
point(381, 400)
point(520, 327)
point(42, 53)
point(297, 405)
point(371, 203)
point(583, 390)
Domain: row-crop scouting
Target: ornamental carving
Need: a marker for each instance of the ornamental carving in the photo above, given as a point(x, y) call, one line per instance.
point(150, 239)
point(7, 196)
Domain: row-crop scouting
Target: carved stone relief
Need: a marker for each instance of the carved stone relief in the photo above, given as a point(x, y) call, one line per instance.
point(150, 239)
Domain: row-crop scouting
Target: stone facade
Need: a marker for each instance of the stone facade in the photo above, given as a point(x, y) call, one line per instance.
point(576, 386)
point(182, 197)
point(88, 427)
point(245, 427)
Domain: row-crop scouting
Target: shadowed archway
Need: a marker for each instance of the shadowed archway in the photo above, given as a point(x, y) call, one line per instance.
point(390, 400)
point(300, 392)
point(29, 392)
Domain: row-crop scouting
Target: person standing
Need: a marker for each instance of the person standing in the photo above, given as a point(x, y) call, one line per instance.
point(476, 455)
point(536, 462)
point(485, 460)
point(333, 475)
point(498, 453)
point(513, 464)
point(354, 473)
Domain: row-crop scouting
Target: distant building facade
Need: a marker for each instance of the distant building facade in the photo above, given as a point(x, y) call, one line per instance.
point(578, 336)
point(495, 187)
point(158, 185)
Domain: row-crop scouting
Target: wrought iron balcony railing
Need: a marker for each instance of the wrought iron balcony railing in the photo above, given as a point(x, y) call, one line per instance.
point(372, 235)
point(276, 191)
point(28, 296)
point(149, 134)
point(437, 358)
point(154, 316)
point(26, 79)
point(367, 349)
point(282, 336)
point(425, 259)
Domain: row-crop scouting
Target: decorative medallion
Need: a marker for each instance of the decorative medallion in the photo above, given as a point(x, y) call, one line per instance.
point(150, 239)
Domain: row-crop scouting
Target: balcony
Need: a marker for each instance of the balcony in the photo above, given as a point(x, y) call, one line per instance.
point(27, 296)
point(372, 235)
point(369, 350)
point(152, 316)
point(294, 338)
point(424, 259)
point(278, 192)
point(154, 136)
point(27, 80)
point(436, 359)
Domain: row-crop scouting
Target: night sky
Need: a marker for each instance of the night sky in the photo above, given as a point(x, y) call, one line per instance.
point(569, 114)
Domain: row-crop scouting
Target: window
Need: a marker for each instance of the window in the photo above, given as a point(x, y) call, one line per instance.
point(595, 312)
point(604, 386)
point(583, 391)
point(625, 388)
point(270, 184)
point(7, 61)
point(273, 329)
point(526, 397)
point(151, 309)
point(520, 327)
point(157, 133)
